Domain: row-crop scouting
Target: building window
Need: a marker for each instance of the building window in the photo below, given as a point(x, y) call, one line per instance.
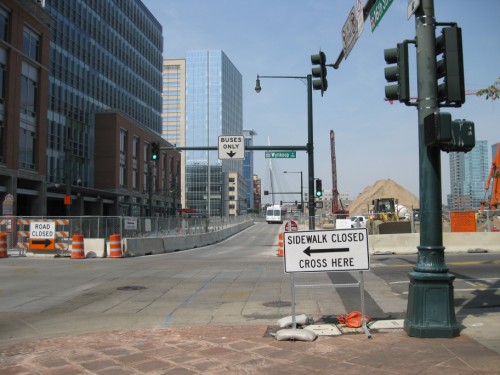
point(3, 74)
point(123, 158)
point(29, 87)
point(31, 43)
point(135, 163)
point(27, 149)
point(4, 24)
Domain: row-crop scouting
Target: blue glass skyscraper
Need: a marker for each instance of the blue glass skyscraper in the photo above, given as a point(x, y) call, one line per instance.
point(468, 174)
point(214, 106)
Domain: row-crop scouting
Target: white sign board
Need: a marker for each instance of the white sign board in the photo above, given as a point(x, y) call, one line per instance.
point(324, 251)
point(231, 147)
point(412, 7)
point(43, 229)
point(349, 32)
point(360, 16)
point(130, 223)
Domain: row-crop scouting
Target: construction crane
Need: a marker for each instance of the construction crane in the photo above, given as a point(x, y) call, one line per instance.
point(337, 208)
point(493, 179)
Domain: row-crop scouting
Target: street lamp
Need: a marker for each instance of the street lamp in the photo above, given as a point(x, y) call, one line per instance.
point(310, 144)
point(301, 190)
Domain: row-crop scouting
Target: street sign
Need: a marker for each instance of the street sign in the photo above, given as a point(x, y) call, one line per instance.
point(349, 32)
point(231, 147)
point(412, 7)
point(360, 17)
point(281, 154)
point(378, 12)
point(42, 235)
point(291, 226)
point(323, 251)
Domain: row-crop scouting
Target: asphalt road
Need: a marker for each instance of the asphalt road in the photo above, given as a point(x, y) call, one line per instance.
point(239, 281)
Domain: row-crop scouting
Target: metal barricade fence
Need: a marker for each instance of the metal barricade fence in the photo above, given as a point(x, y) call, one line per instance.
point(17, 228)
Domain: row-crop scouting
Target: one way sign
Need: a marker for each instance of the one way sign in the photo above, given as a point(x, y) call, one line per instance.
point(231, 147)
point(325, 251)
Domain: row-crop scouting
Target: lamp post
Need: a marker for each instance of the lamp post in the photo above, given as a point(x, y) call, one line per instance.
point(301, 190)
point(310, 144)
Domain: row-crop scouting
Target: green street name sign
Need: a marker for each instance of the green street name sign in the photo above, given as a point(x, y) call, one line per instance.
point(281, 154)
point(378, 12)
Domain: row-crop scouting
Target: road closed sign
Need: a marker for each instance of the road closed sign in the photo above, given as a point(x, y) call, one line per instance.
point(326, 251)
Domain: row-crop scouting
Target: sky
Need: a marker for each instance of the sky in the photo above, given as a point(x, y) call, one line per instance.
point(374, 139)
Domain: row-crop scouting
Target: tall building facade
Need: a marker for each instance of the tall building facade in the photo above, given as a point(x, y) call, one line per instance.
point(214, 107)
point(174, 109)
point(248, 167)
point(63, 62)
point(468, 174)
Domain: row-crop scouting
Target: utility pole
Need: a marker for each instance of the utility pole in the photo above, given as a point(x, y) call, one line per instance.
point(430, 311)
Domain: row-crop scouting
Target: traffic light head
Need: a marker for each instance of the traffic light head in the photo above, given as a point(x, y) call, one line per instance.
point(319, 188)
point(155, 151)
point(319, 72)
point(450, 67)
point(397, 73)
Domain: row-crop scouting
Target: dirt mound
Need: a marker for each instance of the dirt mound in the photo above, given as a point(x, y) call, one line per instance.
point(382, 189)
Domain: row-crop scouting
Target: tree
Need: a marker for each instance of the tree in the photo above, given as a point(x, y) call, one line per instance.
point(492, 92)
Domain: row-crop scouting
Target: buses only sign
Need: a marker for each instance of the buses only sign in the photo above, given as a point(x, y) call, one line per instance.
point(325, 251)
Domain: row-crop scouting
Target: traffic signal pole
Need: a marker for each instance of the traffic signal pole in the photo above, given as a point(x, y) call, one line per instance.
point(430, 311)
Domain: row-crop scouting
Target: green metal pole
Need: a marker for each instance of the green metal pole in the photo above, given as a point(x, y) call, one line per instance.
point(310, 153)
point(430, 311)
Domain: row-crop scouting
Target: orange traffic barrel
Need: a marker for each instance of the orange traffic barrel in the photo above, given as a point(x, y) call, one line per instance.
point(280, 252)
point(77, 251)
point(115, 246)
point(3, 245)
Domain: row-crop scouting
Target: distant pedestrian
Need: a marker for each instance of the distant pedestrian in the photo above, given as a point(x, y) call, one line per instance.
point(495, 229)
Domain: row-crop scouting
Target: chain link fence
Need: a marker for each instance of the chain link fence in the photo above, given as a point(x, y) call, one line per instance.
point(18, 229)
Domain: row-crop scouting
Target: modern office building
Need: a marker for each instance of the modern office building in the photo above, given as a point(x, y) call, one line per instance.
point(214, 107)
point(174, 109)
point(64, 64)
point(468, 174)
point(248, 166)
point(237, 194)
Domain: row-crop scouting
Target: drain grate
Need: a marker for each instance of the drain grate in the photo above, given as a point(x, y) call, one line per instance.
point(278, 304)
point(131, 287)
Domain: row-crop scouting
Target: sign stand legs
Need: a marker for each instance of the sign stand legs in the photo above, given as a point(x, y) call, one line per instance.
point(360, 284)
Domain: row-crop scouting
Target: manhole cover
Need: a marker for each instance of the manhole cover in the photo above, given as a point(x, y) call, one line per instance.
point(131, 287)
point(278, 304)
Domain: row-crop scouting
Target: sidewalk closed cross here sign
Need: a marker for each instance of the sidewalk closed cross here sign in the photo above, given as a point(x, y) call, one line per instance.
point(324, 251)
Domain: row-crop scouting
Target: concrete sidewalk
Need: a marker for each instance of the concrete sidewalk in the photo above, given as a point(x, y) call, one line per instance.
point(249, 349)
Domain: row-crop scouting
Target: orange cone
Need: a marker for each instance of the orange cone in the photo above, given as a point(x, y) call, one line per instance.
point(281, 251)
point(77, 251)
point(115, 246)
point(3, 245)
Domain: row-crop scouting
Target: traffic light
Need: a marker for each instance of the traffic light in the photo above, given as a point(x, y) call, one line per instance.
point(319, 188)
point(155, 151)
point(450, 67)
point(450, 135)
point(397, 73)
point(319, 72)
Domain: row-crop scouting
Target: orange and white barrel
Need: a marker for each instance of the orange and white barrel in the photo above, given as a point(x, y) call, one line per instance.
point(280, 252)
point(77, 249)
point(115, 246)
point(3, 245)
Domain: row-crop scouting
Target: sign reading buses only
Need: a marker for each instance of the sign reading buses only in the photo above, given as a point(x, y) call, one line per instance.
point(325, 251)
point(231, 147)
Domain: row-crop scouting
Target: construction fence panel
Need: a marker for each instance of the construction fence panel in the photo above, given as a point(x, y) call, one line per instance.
point(17, 228)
